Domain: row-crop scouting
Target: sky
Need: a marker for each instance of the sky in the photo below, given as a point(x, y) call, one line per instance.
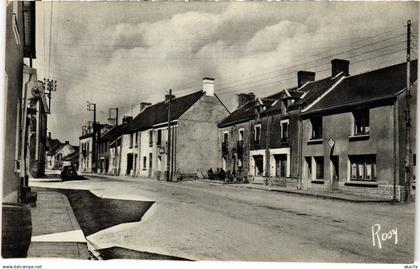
point(118, 54)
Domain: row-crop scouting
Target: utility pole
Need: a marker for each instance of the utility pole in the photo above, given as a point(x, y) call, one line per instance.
point(168, 150)
point(116, 114)
point(408, 153)
point(50, 86)
point(92, 107)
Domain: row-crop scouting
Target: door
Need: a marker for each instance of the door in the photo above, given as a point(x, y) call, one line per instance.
point(150, 164)
point(334, 172)
point(129, 163)
point(281, 164)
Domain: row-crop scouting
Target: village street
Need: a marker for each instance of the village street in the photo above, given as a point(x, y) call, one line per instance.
point(204, 221)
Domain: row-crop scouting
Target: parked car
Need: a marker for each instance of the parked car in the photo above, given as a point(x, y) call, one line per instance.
point(69, 173)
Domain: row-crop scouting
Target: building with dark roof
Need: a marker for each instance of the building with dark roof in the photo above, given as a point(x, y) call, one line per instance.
point(260, 140)
point(109, 148)
point(193, 142)
point(353, 134)
point(88, 145)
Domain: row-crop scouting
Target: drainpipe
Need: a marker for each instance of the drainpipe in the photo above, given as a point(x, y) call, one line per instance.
point(395, 151)
point(300, 149)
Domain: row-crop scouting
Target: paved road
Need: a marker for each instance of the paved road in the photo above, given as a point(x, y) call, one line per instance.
point(202, 221)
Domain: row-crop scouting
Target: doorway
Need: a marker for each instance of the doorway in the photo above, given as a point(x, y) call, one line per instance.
point(129, 163)
point(150, 164)
point(334, 172)
point(259, 165)
point(281, 164)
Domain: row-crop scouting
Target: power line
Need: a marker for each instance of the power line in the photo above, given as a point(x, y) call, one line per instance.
point(267, 84)
point(50, 37)
point(328, 57)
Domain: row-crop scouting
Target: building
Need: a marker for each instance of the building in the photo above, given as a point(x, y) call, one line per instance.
point(193, 140)
point(59, 153)
point(109, 149)
point(241, 139)
point(20, 50)
point(72, 159)
point(260, 140)
point(37, 117)
point(354, 135)
point(88, 157)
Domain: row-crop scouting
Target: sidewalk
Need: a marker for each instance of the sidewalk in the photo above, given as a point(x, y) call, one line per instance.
point(55, 230)
point(336, 195)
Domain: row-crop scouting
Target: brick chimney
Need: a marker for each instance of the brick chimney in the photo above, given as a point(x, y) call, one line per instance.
point(305, 76)
point(111, 121)
point(338, 66)
point(143, 106)
point(243, 98)
point(208, 86)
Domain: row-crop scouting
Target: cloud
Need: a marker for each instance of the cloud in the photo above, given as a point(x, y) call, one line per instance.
point(118, 54)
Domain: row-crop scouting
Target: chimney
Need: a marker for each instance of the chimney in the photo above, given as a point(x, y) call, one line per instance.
point(111, 121)
point(243, 98)
point(126, 119)
point(305, 76)
point(338, 66)
point(143, 106)
point(208, 86)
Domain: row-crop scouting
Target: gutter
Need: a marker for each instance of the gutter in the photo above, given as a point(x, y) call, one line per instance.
point(389, 97)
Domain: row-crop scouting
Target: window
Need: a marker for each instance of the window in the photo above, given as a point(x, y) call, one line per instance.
point(225, 137)
point(257, 133)
point(414, 160)
point(159, 137)
point(136, 142)
point(284, 130)
point(361, 122)
point(363, 168)
point(151, 138)
point(319, 166)
point(316, 132)
point(131, 141)
point(144, 162)
point(241, 135)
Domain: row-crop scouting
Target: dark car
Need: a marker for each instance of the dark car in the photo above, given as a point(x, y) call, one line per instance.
point(69, 173)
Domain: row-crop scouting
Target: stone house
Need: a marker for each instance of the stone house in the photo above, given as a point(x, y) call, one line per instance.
point(353, 135)
point(266, 131)
point(59, 153)
point(193, 142)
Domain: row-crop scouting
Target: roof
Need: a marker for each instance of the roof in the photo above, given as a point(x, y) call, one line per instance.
point(113, 133)
point(100, 125)
point(86, 136)
point(313, 90)
point(51, 143)
point(245, 112)
point(55, 149)
point(71, 156)
point(158, 113)
point(367, 87)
